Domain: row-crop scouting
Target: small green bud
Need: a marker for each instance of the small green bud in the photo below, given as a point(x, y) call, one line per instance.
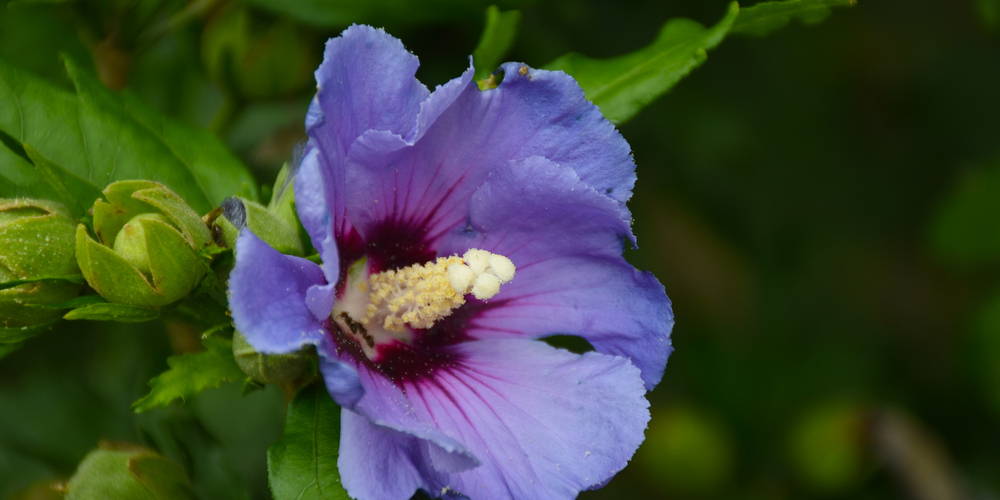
point(258, 57)
point(146, 251)
point(271, 227)
point(36, 240)
point(127, 471)
point(268, 368)
point(131, 241)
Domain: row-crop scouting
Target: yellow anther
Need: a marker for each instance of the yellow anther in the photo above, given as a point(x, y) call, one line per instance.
point(423, 294)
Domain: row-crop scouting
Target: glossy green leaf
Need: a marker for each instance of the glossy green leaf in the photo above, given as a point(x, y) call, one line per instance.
point(15, 335)
point(303, 464)
point(113, 312)
point(966, 228)
point(623, 85)
point(72, 278)
point(81, 301)
point(498, 37)
point(50, 173)
point(763, 18)
point(190, 374)
point(94, 136)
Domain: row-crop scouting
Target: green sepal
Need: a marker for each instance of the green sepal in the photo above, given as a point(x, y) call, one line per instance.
point(113, 312)
point(147, 248)
point(282, 203)
point(122, 471)
point(163, 478)
point(175, 267)
point(190, 374)
point(274, 229)
point(111, 275)
point(268, 368)
point(249, 386)
point(303, 464)
point(187, 220)
point(37, 261)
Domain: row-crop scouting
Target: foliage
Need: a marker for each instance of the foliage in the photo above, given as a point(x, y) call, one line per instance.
point(303, 464)
point(190, 374)
point(95, 136)
point(821, 206)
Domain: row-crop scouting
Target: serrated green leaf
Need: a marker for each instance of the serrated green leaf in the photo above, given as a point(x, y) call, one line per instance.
point(113, 312)
point(498, 36)
point(966, 228)
point(303, 464)
point(623, 85)
point(94, 136)
point(764, 18)
point(190, 374)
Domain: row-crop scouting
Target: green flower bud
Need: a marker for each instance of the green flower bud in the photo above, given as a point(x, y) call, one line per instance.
point(36, 240)
point(127, 471)
point(268, 368)
point(271, 227)
point(146, 251)
point(258, 57)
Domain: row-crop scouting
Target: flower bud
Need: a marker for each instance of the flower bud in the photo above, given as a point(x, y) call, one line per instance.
point(36, 240)
point(268, 368)
point(146, 251)
point(127, 471)
point(257, 57)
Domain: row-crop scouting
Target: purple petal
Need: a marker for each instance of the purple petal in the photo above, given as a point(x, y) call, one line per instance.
point(318, 208)
point(377, 463)
point(545, 423)
point(428, 184)
point(566, 241)
point(386, 406)
point(267, 297)
point(366, 82)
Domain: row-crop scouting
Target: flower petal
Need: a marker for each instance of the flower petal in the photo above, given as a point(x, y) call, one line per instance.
point(566, 241)
point(267, 297)
point(427, 182)
point(366, 82)
point(377, 463)
point(386, 406)
point(321, 211)
point(546, 423)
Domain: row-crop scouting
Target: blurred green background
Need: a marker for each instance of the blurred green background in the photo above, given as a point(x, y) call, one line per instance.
point(822, 206)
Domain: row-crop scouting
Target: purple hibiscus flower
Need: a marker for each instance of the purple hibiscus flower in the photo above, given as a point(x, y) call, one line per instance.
point(431, 349)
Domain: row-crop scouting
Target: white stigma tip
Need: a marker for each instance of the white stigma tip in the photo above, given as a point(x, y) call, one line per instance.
point(501, 267)
point(477, 259)
point(486, 286)
point(460, 277)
